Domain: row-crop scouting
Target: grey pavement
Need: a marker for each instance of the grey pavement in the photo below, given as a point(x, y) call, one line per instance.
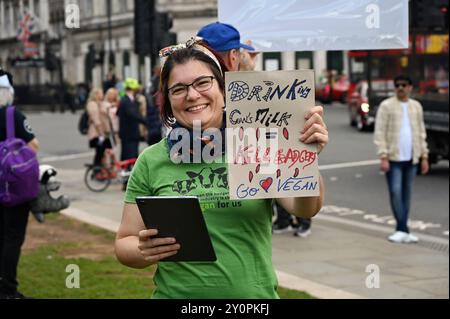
point(338, 260)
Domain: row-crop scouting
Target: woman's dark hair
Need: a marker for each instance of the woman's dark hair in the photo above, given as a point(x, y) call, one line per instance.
point(183, 56)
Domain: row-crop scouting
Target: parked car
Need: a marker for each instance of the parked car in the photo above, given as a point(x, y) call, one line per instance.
point(338, 91)
point(361, 113)
point(435, 114)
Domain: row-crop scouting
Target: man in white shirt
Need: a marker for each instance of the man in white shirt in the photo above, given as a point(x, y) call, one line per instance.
point(400, 138)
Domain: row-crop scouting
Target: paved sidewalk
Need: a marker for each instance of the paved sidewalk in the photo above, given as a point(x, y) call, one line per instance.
point(334, 262)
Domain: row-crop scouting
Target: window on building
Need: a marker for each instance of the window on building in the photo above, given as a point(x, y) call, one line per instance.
point(304, 60)
point(126, 72)
point(86, 8)
point(272, 61)
point(123, 5)
point(130, 5)
point(335, 61)
point(36, 8)
point(57, 12)
point(119, 6)
point(25, 5)
point(115, 6)
point(7, 15)
point(16, 14)
point(101, 7)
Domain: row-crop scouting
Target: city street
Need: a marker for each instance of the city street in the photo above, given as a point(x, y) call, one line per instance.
point(355, 190)
point(348, 236)
point(80, 71)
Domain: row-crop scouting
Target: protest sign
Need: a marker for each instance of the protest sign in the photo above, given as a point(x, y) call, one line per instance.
point(265, 114)
point(310, 25)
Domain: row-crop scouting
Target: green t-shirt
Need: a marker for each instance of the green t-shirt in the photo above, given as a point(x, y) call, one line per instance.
point(240, 230)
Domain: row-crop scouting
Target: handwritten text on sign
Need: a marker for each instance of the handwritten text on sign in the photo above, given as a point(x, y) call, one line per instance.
point(265, 114)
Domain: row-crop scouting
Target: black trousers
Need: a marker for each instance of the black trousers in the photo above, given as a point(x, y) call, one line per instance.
point(130, 149)
point(13, 225)
point(285, 219)
point(99, 149)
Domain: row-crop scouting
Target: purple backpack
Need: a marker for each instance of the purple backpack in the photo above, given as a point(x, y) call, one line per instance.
point(19, 168)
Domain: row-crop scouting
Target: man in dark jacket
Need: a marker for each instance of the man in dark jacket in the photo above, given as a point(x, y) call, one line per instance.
point(153, 108)
point(129, 120)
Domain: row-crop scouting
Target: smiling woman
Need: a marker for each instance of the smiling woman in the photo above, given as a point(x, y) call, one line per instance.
point(193, 89)
point(193, 86)
point(204, 102)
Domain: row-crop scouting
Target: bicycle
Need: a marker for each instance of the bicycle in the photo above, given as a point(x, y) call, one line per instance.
point(98, 177)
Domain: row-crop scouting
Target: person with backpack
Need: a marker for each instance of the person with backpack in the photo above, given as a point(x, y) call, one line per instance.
point(18, 148)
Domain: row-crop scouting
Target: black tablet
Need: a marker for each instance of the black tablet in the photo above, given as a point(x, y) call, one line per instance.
point(181, 218)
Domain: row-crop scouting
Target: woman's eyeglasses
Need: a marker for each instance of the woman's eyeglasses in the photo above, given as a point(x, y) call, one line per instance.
point(200, 84)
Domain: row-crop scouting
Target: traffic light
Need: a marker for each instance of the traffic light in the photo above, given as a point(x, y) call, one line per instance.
point(90, 57)
point(429, 15)
point(101, 57)
point(50, 59)
point(169, 38)
point(161, 25)
point(144, 11)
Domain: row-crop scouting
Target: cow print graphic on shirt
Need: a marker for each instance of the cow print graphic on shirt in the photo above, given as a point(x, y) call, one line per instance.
point(206, 178)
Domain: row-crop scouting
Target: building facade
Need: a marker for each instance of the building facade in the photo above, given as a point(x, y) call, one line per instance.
point(101, 45)
point(12, 50)
point(114, 50)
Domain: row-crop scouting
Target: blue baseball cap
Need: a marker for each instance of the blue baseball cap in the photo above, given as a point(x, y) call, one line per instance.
point(222, 37)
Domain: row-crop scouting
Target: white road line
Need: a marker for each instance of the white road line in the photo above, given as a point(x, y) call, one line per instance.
point(377, 227)
point(349, 164)
point(375, 218)
point(65, 157)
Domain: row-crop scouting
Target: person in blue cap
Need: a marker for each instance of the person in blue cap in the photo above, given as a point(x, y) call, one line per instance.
point(226, 41)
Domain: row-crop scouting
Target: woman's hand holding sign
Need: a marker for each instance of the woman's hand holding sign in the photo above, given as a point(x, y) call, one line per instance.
point(315, 130)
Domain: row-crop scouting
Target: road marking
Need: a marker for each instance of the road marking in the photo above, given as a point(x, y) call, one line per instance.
point(374, 218)
point(333, 178)
point(50, 159)
point(376, 227)
point(349, 164)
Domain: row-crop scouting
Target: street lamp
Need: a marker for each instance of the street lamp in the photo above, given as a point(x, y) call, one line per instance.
point(54, 48)
point(111, 61)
